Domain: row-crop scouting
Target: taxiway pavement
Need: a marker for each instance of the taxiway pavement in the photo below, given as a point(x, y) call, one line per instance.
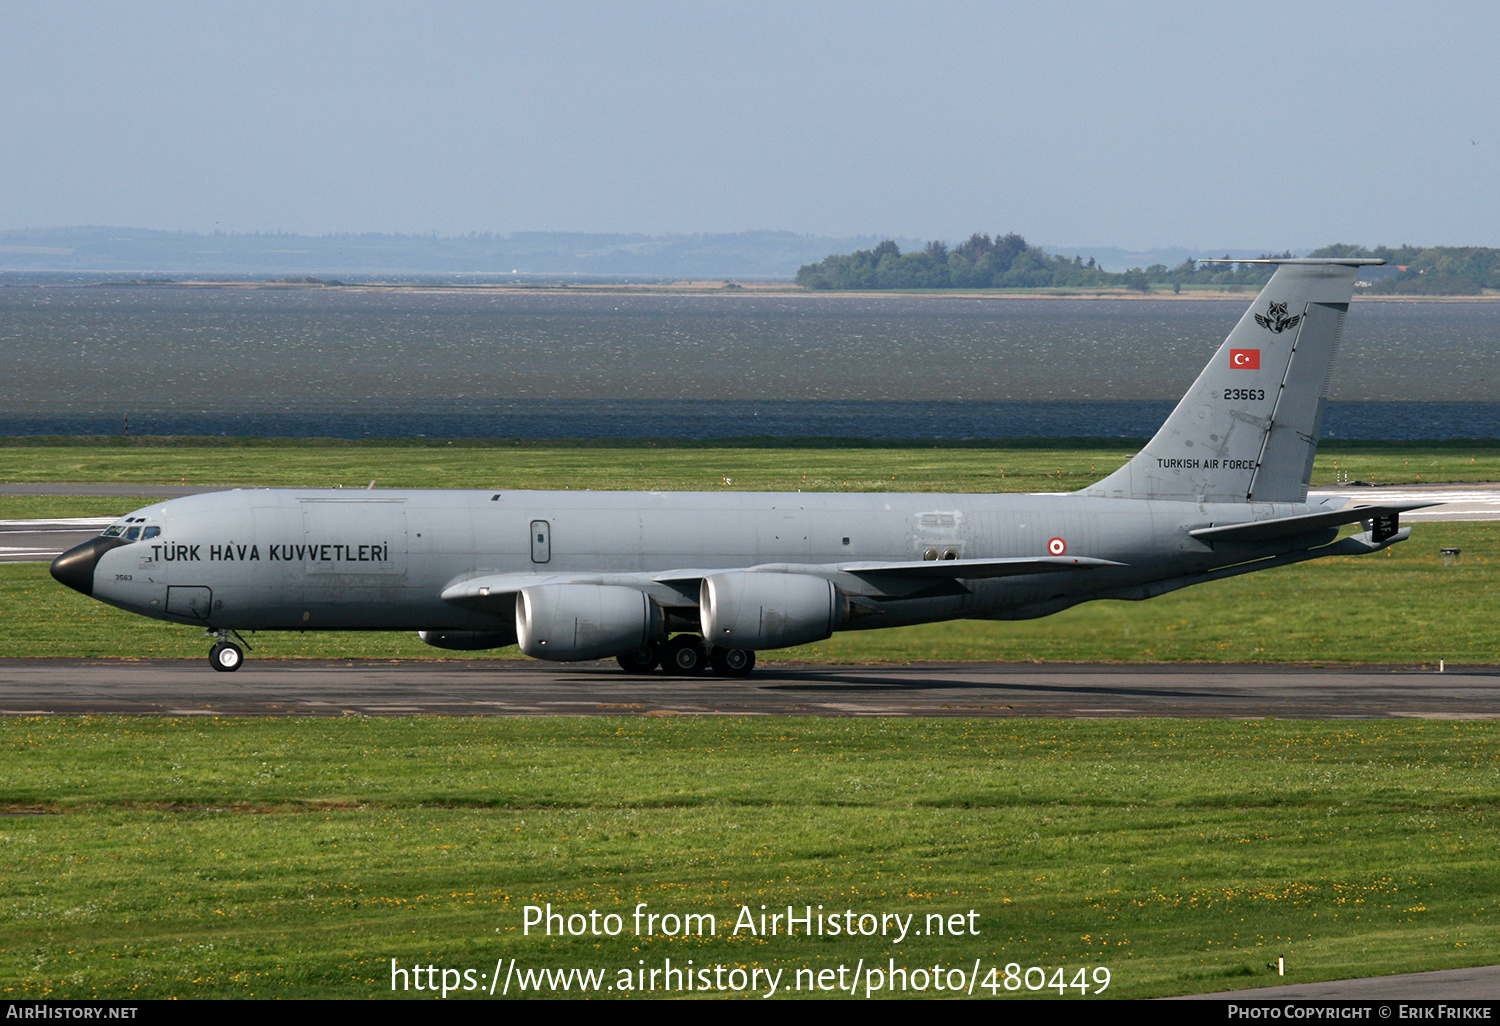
point(172, 687)
point(1481, 983)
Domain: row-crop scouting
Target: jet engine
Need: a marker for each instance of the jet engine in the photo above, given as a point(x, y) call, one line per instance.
point(467, 641)
point(568, 622)
point(750, 611)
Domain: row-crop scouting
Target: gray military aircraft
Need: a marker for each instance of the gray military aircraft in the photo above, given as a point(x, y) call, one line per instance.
point(688, 580)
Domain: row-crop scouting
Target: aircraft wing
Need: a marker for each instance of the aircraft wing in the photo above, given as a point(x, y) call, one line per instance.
point(945, 569)
point(491, 589)
point(974, 569)
point(672, 588)
point(1286, 527)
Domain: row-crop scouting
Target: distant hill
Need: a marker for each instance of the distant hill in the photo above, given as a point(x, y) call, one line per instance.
point(763, 254)
point(1009, 261)
point(1428, 270)
point(1111, 258)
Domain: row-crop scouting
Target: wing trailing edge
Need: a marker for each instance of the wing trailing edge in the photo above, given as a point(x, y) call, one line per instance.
point(491, 589)
point(975, 569)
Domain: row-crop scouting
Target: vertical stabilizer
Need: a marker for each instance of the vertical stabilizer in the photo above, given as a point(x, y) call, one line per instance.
point(1248, 428)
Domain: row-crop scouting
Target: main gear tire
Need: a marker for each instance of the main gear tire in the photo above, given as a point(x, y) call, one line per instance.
point(731, 662)
point(642, 660)
point(684, 656)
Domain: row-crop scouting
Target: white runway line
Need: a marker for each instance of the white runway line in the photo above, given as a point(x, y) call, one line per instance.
point(1459, 503)
point(74, 523)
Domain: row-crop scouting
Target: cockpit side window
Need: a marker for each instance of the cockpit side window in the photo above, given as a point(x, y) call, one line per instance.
point(130, 534)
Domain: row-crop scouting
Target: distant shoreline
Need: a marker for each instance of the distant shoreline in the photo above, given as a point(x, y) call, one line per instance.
point(739, 288)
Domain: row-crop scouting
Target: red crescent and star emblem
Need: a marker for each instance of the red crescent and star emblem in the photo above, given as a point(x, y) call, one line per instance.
point(1244, 359)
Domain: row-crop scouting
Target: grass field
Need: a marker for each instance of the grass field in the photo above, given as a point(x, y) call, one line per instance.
point(1057, 465)
point(295, 858)
point(276, 858)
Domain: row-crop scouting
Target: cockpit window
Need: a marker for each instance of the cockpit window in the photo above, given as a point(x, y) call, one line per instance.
point(131, 534)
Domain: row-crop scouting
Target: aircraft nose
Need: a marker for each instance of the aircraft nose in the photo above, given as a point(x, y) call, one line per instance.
point(75, 568)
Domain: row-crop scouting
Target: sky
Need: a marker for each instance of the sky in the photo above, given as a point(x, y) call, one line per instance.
point(1137, 125)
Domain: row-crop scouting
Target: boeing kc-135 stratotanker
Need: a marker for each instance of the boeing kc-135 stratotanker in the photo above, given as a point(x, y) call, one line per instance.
point(687, 580)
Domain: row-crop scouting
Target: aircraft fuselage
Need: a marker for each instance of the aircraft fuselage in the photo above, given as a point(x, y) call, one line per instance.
point(277, 559)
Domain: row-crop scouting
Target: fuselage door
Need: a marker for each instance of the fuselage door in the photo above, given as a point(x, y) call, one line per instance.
point(541, 541)
point(351, 536)
point(191, 601)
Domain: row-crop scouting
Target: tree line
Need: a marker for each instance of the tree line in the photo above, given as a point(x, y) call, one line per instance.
point(1009, 261)
point(1429, 270)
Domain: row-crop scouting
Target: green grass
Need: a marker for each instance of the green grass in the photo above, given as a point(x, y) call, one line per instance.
point(282, 858)
point(1401, 606)
point(558, 467)
point(42, 507)
point(295, 858)
point(810, 465)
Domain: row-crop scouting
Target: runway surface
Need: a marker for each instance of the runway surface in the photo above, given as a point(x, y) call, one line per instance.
point(38, 541)
point(1481, 983)
point(35, 541)
point(505, 688)
point(1459, 501)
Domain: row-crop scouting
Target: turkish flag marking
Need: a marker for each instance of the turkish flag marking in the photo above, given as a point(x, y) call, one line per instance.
point(1244, 359)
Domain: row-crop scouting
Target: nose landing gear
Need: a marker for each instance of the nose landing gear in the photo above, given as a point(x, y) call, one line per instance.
point(226, 656)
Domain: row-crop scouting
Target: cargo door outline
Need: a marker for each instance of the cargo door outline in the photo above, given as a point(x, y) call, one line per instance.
point(783, 534)
point(370, 535)
point(190, 600)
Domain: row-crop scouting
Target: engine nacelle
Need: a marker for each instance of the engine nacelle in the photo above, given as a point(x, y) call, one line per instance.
point(568, 622)
point(467, 641)
point(767, 610)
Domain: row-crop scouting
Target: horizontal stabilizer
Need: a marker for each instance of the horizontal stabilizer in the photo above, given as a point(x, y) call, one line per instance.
point(1287, 527)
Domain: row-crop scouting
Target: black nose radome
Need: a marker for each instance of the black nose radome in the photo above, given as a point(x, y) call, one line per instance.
point(75, 568)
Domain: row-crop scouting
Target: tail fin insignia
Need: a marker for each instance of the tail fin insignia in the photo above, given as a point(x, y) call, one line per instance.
point(1248, 428)
point(1276, 320)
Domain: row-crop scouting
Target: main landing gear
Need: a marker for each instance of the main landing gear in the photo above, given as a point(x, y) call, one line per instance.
point(686, 656)
point(642, 660)
point(731, 662)
point(226, 656)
